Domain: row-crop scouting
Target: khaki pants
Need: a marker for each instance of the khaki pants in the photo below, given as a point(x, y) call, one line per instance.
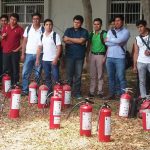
point(96, 73)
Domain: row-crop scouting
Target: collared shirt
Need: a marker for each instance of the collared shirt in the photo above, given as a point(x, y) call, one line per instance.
point(33, 39)
point(96, 43)
point(114, 44)
point(49, 47)
point(12, 40)
point(76, 50)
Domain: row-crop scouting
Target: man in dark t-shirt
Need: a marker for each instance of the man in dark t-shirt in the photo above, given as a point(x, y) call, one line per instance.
point(75, 39)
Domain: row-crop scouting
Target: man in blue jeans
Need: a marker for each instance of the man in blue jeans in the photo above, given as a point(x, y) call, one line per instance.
point(51, 53)
point(75, 39)
point(115, 63)
point(32, 35)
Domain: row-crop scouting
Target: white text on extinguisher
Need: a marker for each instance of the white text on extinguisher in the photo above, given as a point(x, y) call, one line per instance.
point(15, 101)
point(86, 121)
point(33, 96)
point(148, 120)
point(43, 96)
point(57, 108)
point(7, 85)
point(124, 108)
point(67, 97)
point(107, 126)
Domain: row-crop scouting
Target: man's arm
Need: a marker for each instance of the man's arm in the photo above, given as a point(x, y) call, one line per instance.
point(24, 43)
point(121, 39)
point(74, 40)
point(38, 54)
point(59, 51)
point(135, 56)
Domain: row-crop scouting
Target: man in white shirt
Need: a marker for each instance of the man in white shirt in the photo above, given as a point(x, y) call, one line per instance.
point(51, 44)
point(142, 55)
point(32, 34)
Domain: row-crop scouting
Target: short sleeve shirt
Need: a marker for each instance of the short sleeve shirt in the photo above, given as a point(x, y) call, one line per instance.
point(49, 47)
point(12, 40)
point(76, 50)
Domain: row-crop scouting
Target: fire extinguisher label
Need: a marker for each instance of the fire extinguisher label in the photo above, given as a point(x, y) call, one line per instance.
point(124, 108)
point(148, 120)
point(56, 120)
point(57, 108)
point(15, 101)
point(58, 93)
point(87, 121)
point(67, 97)
point(43, 96)
point(33, 96)
point(107, 126)
point(7, 85)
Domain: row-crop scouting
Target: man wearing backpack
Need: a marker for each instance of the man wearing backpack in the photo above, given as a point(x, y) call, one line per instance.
point(142, 55)
point(115, 62)
point(51, 44)
point(97, 56)
point(32, 35)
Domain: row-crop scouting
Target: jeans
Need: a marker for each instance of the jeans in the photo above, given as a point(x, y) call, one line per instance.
point(11, 65)
point(74, 69)
point(51, 74)
point(28, 66)
point(116, 69)
point(142, 69)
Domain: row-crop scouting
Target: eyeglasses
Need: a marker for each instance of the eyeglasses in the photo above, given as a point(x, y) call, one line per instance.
point(3, 20)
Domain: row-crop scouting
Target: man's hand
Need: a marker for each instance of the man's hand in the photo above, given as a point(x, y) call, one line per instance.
point(22, 57)
point(135, 69)
point(55, 61)
point(147, 53)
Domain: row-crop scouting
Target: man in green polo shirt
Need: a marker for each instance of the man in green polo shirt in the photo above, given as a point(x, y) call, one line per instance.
point(97, 57)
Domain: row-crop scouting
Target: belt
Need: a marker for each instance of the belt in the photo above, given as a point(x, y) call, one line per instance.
point(98, 53)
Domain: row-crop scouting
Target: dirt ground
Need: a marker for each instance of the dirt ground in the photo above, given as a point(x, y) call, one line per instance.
point(31, 131)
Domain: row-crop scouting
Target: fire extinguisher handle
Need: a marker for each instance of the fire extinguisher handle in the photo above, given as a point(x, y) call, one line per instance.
point(88, 100)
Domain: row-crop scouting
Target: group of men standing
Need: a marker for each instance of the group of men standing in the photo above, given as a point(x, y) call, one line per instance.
point(41, 47)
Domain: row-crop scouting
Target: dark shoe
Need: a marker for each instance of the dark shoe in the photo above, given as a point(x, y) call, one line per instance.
point(109, 97)
point(100, 95)
point(90, 95)
point(24, 93)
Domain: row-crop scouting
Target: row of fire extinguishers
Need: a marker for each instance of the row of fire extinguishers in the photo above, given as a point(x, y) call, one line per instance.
point(61, 99)
point(37, 95)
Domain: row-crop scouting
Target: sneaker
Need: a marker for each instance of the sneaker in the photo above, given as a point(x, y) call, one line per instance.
point(90, 95)
point(78, 96)
point(24, 93)
point(109, 97)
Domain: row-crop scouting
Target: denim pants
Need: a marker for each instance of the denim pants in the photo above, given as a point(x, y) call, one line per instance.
point(28, 66)
point(11, 65)
point(142, 69)
point(116, 69)
point(74, 69)
point(51, 73)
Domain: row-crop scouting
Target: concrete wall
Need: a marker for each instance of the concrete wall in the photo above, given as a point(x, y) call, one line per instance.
point(63, 11)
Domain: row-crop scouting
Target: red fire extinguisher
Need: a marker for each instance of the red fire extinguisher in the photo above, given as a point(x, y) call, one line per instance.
point(125, 103)
point(146, 119)
point(55, 112)
point(6, 85)
point(58, 90)
point(85, 117)
point(15, 102)
point(42, 96)
point(104, 123)
point(33, 93)
point(66, 95)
